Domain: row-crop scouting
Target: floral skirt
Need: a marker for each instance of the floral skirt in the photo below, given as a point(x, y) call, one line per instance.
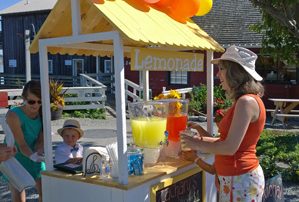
point(248, 187)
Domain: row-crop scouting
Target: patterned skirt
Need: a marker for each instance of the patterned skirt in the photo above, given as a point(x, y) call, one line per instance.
point(248, 187)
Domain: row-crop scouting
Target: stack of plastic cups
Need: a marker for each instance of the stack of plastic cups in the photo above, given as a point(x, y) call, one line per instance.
point(135, 161)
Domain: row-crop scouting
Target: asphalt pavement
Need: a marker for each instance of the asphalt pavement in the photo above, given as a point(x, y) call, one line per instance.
point(103, 132)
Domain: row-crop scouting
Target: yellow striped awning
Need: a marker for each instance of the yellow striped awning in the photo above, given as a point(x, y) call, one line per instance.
point(139, 26)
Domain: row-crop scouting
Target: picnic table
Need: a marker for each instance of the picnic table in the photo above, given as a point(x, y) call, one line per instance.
point(284, 108)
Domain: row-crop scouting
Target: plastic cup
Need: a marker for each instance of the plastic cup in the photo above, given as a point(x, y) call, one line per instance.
point(135, 161)
point(173, 149)
point(151, 155)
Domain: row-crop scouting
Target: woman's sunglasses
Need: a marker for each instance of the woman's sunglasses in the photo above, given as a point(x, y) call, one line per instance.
point(32, 102)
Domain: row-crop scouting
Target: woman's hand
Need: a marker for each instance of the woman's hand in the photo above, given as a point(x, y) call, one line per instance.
point(192, 124)
point(190, 143)
point(37, 157)
point(189, 155)
point(77, 160)
point(6, 152)
point(200, 130)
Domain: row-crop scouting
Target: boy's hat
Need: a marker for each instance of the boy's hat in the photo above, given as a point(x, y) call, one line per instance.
point(242, 56)
point(73, 124)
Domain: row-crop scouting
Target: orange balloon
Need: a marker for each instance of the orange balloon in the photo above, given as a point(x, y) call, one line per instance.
point(164, 3)
point(181, 10)
point(98, 1)
point(205, 7)
point(151, 1)
point(139, 5)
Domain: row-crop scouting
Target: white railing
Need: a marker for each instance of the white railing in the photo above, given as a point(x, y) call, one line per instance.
point(14, 96)
point(86, 80)
point(133, 91)
point(78, 97)
point(91, 96)
point(105, 78)
point(85, 98)
point(183, 91)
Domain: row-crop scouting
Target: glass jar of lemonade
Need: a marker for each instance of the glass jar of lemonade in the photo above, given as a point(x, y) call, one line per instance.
point(148, 122)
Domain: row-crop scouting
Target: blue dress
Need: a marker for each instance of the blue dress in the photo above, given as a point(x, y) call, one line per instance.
point(31, 129)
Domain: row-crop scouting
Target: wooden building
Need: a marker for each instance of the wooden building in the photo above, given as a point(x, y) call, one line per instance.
point(30, 15)
point(228, 23)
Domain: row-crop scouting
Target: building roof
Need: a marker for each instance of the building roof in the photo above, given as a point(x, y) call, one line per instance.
point(229, 21)
point(25, 6)
point(139, 27)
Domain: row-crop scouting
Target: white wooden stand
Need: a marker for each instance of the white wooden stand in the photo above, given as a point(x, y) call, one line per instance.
point(76, 188)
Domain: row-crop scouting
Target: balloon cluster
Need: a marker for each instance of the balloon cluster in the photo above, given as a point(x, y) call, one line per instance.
point(181, 10)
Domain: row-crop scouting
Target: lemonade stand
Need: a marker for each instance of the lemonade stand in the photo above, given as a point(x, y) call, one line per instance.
point(152, 37)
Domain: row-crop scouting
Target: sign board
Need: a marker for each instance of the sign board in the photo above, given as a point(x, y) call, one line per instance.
point(157, 60)
point(273, 191)
point(187, 187)
point(12, 63)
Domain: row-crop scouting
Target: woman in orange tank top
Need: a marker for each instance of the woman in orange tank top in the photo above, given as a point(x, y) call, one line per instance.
point(240, 176)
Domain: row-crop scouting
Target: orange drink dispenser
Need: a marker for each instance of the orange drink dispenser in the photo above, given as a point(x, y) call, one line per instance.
point(176, 122)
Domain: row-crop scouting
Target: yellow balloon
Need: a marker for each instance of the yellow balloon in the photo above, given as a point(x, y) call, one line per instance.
point(204, 7)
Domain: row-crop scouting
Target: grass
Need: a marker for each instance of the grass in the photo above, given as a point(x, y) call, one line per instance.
point(279, 153)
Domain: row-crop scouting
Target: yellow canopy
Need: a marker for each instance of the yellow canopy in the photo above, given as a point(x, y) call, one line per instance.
point(139, 26)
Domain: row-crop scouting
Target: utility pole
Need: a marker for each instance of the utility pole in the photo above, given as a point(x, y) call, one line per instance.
point(27, 55)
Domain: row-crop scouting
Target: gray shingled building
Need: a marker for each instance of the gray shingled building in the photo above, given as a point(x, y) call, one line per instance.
point(228, 23)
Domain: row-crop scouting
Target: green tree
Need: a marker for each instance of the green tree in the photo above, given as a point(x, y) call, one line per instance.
point(280, 27)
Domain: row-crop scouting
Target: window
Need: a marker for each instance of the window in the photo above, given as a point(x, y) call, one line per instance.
point(50, 64)
point(178, 77)
point(107, 66)
point(78, 67)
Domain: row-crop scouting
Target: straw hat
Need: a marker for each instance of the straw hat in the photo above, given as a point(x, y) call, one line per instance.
point(242, 56)
point(73, 124)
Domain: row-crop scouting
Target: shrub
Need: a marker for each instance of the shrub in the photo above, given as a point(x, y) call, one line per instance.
point(86, 113)
point(279, 147)
point(56, 95)
point(198, 98)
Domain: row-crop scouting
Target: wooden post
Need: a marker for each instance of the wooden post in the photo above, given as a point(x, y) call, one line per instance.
point(210, 185)
point(76, 17)
point(120, 109)
point(44, 79)
point(27, 55)
point(145, 76)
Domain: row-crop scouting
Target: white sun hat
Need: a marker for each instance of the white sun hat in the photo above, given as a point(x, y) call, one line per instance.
point(242, 56)
point(73, 124)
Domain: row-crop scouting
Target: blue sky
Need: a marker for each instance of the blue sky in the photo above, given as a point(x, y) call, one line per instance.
point(6, 3)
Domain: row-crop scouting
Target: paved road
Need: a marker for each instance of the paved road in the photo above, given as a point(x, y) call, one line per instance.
point(103, 132)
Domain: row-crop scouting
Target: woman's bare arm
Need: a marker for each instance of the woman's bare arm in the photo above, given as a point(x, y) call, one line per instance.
point(39, 147)
point(15, 125)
